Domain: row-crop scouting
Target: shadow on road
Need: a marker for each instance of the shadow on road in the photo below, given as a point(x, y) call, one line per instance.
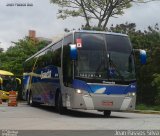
point(77, 113)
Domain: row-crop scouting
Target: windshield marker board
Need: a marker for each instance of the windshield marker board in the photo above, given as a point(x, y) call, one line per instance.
point(79, 43)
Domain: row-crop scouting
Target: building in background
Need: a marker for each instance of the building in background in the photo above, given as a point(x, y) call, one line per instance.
point(32, 35)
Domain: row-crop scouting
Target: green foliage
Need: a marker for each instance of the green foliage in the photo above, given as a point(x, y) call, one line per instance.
point(94, 28)
point(1, 50)
point(156, 85)
point(147, 107)
point(12, 60)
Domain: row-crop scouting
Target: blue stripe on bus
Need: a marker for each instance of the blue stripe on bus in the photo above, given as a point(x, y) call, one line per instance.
point(109, 89)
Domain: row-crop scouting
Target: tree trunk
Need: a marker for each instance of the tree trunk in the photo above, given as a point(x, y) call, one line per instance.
point(106, 22)
point(85, 14)
point(107, 19)
point(99, 23)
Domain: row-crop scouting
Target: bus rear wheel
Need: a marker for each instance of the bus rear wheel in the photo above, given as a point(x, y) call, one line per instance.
point(107, 113)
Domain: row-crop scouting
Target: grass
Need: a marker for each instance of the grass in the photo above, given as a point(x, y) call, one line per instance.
point(147, 107)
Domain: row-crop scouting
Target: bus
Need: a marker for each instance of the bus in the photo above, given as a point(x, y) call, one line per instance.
point(8, 82)
point(87, 70)
point(25, 86)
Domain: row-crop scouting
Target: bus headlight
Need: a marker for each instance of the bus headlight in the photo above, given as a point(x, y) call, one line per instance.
point(131, 94)
point(78, 91)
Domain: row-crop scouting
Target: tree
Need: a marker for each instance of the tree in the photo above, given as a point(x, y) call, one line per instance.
point(12, 60)
point(156, 85)
point(100, 10)
point(1, 50)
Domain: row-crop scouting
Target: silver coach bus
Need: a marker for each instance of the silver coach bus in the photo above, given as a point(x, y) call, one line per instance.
point(87, 70)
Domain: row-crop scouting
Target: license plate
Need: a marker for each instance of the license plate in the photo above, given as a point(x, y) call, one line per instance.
point(107, 103)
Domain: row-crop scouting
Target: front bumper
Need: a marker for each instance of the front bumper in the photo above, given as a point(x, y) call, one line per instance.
point(101, 102)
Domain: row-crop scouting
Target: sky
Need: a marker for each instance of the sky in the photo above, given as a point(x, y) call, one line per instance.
point(41, 16)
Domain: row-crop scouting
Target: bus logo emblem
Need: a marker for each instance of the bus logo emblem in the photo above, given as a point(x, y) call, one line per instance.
point(46, 74)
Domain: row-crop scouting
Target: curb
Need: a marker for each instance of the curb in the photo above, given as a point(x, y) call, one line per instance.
point(145, 112)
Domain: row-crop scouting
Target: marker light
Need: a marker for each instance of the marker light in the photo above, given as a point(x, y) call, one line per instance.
point(131, 94)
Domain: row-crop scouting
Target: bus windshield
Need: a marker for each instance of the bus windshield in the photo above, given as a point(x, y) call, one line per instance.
point(9, 83)
point(105, 57)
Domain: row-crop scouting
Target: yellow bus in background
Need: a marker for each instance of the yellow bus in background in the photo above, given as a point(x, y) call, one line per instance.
point(8, 82)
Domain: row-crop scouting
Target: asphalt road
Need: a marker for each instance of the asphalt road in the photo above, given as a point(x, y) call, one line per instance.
point(25, 117)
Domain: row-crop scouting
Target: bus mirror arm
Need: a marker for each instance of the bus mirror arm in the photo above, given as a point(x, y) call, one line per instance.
point(1, 80)
point(19, 81)
point(143, 55)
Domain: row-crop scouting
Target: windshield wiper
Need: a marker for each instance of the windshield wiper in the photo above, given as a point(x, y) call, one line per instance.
point(101, 65)
point(116, 68)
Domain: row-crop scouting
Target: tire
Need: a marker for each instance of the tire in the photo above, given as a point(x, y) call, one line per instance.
point(29, 98)
point(26, 97)
point(31, 102)
point(59, 104)
point(107, 113)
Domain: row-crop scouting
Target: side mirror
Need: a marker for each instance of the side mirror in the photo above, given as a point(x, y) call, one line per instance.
point(73, 52)
point(143, 56)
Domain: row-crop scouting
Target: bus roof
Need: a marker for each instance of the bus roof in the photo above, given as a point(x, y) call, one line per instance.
point(100, 32)
point(80, 31)
point(7, 73)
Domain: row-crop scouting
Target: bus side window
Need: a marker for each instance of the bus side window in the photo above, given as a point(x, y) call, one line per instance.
point(56, 54)
point(56, 57)
point(67, 63)
point(48, 58)
point(67, 66)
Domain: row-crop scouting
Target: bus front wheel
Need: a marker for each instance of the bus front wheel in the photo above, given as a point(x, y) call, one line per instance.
point(59, 104)
point(107, 113)
point(29, 99)
point(31, 102)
